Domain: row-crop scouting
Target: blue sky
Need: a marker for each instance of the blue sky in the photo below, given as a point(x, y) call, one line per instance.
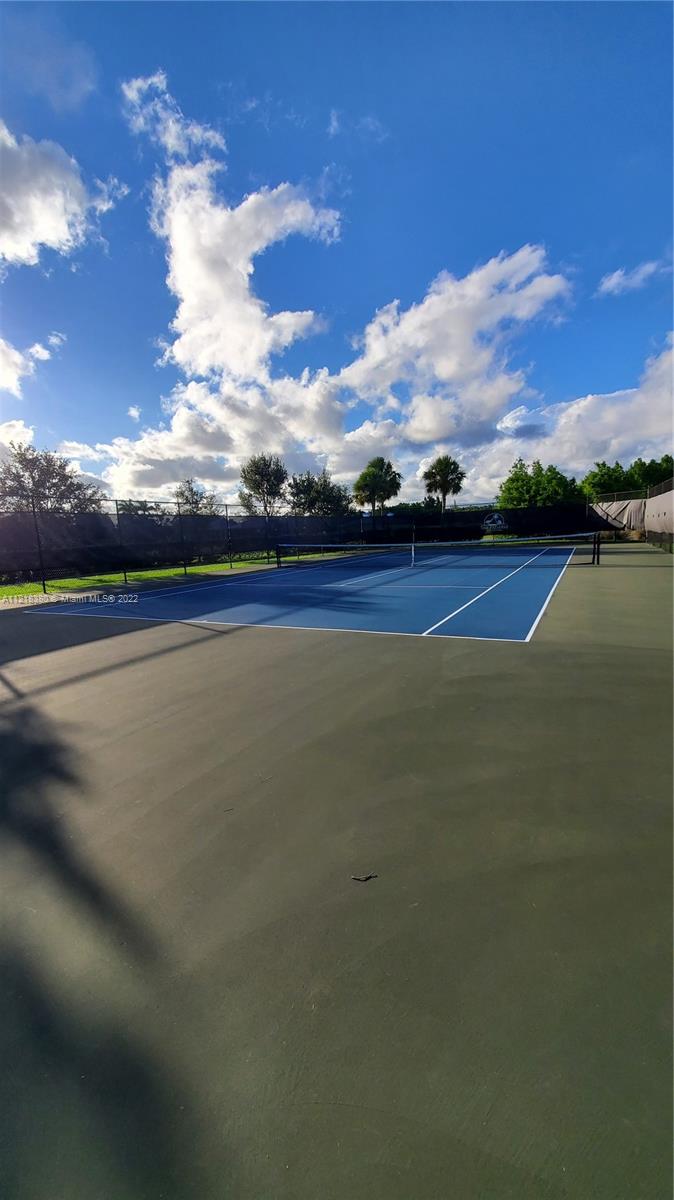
point(501, 171)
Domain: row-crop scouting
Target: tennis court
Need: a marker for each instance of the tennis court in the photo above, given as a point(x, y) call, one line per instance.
point(494, 591)
point(299, 914)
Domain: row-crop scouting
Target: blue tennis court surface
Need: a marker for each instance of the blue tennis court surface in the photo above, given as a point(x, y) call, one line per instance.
point(496, 596)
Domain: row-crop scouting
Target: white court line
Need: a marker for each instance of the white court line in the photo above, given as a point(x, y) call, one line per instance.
point(481, 594)
point(107, 616)
point(548, 599)
point(247, 577)
point(174, 591)
point(227, 581)
point(374, 574)
point(471, 587)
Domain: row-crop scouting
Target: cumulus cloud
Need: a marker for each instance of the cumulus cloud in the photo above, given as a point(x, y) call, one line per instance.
point(44, 202)
point(192, 444)
point(134, 412)
point(456, 342)
point(220, 325)
point(617, 425)
point(80, 450)
point(13, 431)
point(621, 280)
point(450, 348)
point(334, 125)
point(150, 109)
point(16, 365)
point(437, 376)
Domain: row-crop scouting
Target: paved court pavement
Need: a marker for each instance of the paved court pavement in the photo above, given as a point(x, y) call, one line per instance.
point(199, 1000)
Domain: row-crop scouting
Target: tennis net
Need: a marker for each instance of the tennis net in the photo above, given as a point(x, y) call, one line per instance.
point(577, 549)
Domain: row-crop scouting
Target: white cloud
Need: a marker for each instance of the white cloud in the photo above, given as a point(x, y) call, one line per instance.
point(16, 365)
point(43, 200)
point(193, 444)
point(450, 348)
point(80, 450)
point(618, 425)
point(150, 109)
point(621, 280)
point(220, 325)
point(435, 377)
point(13, 431)
point(134, 412)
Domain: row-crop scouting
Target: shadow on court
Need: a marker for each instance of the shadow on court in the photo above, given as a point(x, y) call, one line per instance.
point(87, 1111)
point(24, 635)
point(32, 756)
point(70, 634)
point(88, 1107)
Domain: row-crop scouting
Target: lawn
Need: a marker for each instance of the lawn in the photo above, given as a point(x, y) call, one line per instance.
point(116, 578)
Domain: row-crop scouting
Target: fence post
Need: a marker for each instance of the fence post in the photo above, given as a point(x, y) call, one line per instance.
point(39, 545)
point(182, 537)
point(229, 537)
point(121, 544)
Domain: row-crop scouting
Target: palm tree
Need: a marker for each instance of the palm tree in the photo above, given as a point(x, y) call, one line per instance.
point(444, 477)
point(378, 483)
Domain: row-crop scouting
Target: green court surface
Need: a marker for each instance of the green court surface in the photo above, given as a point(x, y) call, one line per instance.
point(199, 1000)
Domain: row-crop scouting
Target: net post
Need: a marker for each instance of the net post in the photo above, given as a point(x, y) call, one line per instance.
point(413, 558)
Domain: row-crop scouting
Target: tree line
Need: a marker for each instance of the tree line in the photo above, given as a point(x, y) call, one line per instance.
point(49, 483)
point(535, 485)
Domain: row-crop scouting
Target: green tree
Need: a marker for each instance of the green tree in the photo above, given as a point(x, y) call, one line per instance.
point(536, 485)
point(195, 500)
point(302, 494)
point(46, 480)
point(263, 479)
point(319, 495)
point(552, 486)
point(431, 504)
point(516, 489)
point(378, 483)
point(647, 474)
point(604, 478)
point(639, 476)
point(141, 508)
point(332, 499)
point(444, 477)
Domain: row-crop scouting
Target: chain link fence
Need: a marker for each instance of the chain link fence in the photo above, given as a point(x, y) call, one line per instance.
point(129, 537)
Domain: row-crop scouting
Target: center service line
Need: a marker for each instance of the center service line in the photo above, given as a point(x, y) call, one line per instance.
point(481, 594)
